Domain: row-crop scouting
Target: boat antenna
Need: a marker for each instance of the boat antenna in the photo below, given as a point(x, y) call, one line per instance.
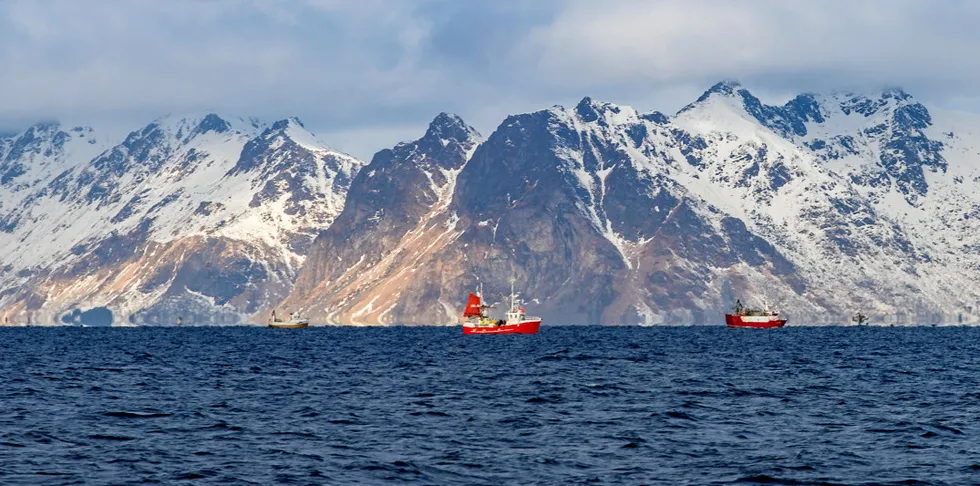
point(513, 295)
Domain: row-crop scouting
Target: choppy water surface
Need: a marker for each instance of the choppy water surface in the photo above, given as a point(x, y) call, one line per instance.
point(569, 405)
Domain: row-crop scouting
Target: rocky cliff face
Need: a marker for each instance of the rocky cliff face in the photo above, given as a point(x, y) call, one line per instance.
point(206, 219)
point(822, 206)
point(383, 253)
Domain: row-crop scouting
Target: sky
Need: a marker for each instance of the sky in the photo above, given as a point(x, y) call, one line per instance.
point(366, 74)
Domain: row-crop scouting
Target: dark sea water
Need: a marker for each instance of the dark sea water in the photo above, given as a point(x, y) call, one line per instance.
point(430, 406)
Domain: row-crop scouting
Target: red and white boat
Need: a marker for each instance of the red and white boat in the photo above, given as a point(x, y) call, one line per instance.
point(753, 318)
point(478, 321)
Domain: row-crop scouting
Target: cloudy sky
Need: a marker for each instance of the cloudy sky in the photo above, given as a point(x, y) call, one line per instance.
point(365, 74)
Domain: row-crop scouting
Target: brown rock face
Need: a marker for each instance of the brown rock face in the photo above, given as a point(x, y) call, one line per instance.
point(410, 244)
point(608, 216)
point(379, 260)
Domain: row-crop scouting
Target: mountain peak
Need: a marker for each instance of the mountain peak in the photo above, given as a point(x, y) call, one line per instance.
point(39, 129)
point(286, 122)
point(887, 94)
point(896, 93)
point(587, 110)
point(211, 123)
point(725, 88)
point(447, 126)
point(293, 130)
point(187, 126)
point(46, 126)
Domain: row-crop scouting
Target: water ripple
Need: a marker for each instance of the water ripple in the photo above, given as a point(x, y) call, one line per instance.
point(427, 405)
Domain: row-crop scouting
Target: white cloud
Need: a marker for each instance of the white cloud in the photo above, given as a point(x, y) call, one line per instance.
point(189, 52)
point(818, 44)
point(349, 68)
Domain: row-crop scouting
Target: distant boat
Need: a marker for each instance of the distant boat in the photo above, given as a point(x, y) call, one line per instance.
point(744, 317)
point(860, 319)
point(294, 322)
point(515, 321)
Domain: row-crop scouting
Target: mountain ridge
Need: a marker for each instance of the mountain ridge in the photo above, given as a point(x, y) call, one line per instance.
point(749, 208)
point(823, 205)
point(208, 216)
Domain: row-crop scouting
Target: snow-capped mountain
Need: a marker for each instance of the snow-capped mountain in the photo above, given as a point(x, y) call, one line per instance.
point(378, 255)
point(206, 218)
point(37, 155)
point(823, 206)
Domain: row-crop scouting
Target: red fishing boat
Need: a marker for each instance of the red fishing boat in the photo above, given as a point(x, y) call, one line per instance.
point(763, 318)
point(478, 319)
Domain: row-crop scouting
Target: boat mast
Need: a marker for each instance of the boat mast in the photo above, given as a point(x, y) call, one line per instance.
point(483, 311)
point(513, 296)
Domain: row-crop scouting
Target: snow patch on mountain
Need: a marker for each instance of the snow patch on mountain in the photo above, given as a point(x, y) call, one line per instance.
point(203, 178)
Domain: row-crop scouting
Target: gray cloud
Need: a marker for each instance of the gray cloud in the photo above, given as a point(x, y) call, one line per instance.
point(369, 73)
